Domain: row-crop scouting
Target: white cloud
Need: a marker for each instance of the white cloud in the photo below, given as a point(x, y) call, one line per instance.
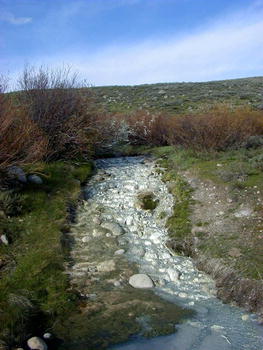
point(12, 19)
point(225, 51)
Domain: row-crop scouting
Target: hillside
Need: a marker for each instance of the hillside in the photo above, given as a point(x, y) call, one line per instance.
point(180, 97)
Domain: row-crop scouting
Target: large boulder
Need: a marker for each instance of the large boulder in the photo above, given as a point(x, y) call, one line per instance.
point(36, 343)
point(141, 280)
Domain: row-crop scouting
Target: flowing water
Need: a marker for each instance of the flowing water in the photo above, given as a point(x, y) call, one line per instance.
point(215, 326)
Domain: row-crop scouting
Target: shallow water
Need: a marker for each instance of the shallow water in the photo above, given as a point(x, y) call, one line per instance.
point(215, 326)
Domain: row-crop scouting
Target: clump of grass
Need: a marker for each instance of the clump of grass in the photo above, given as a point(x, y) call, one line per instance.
point(34, 291)
point(147, 201)
point(179, 224)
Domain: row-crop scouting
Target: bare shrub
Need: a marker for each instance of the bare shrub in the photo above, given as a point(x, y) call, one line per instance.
point(21, 141)
point(215, 129)
point(147, 128)
point(55, 103)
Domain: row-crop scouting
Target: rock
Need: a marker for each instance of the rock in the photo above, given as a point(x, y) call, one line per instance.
point(36, 343)
point(129, 220)
point(91, 296)
point(234, 252)
point(47, 335)
point(85, 239)
point(2, 214)
point(217, 328)
point(137, 251)
point(182, 295)
point(117, 283)
point(243, 213)
point(119, 252)
point(96, 220)
point(115, 228)
point(140, 280)
point(173, 274)
point(106, 266)
point(98, 232)
point(35, 179)
point(17, 173)
point(245, 317)
point(4, 239)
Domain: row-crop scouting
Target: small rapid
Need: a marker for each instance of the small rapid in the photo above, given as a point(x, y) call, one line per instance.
point(214, 326)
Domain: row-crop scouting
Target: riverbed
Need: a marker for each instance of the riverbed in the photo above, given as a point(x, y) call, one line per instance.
point(116, 188)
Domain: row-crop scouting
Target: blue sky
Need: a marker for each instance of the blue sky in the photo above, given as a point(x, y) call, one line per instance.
point(134, 41)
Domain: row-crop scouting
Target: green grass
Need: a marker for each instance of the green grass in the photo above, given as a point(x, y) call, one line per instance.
point(238, 170)
point(147, 201)
point(34, 292)
point(178, 97)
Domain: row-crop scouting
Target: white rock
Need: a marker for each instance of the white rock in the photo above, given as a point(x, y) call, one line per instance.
point(106, 266)
point(96, 220)
point(217, 328)
point(85, 239)
point(119, 252)
point(138, 251)
point(243, 212)
point(173, 274)
point(115, 228)
point(245, 317)
point(47, 335)
point(4, 239)
point(36, 343)
point(98, 232)
point(141, 280)
point(129, 220)
point(182, 295)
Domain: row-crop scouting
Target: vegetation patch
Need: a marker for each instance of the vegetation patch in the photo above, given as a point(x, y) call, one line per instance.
point(215, 219)
point(34, 291)
point(147, 201)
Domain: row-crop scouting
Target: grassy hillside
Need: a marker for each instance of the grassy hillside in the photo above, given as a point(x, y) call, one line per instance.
point(180, 97)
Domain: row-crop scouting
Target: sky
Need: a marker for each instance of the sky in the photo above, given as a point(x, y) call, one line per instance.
point(128, 42)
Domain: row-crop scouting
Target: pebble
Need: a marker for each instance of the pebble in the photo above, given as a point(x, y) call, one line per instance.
point(47, 335)
point(245, 317)
point(182, 295)
point(119, 252)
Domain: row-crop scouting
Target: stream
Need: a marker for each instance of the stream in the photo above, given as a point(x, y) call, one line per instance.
point(214, 326)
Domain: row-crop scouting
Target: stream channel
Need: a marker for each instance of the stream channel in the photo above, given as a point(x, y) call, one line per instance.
point(214, 326)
